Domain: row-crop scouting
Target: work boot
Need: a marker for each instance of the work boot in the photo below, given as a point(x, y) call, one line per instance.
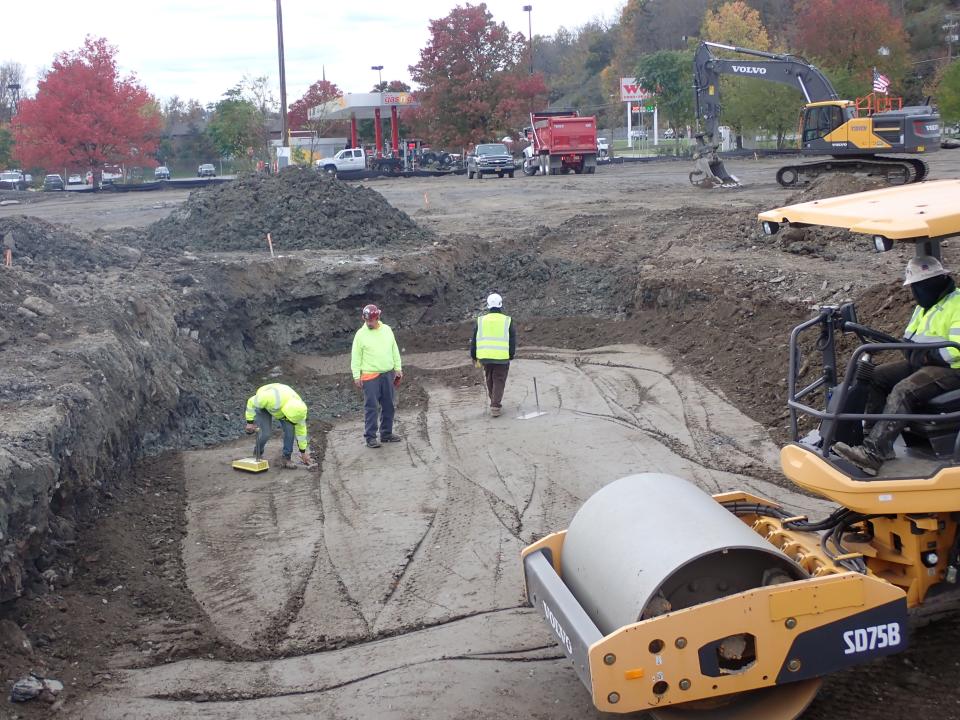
point(495, 411)
point(373, 443)
point(860, 456)
point(390, 438)
point(287, 464)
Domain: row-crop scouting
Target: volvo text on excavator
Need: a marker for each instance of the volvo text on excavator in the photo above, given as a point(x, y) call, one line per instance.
point(828, 125)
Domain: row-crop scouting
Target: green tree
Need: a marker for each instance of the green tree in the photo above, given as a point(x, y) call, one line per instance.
point(236, 127)
point(947, 92)
point(474, 79)
point(239, 126)
point(6, 146)
point(669, 75)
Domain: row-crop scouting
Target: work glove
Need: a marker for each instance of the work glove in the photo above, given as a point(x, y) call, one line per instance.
point(396, 379)
point(358, 383)
point(250, 428)
point(305, 457)
point(477, 364)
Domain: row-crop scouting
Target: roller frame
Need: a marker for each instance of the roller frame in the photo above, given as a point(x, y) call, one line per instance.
point(798, 629)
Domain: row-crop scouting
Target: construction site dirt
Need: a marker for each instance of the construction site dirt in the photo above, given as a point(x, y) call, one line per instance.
point(154, 581)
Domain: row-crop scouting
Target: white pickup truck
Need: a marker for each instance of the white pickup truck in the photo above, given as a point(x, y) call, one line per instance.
point(355, 160)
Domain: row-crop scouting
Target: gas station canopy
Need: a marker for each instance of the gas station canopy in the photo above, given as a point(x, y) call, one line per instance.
point(361, 106)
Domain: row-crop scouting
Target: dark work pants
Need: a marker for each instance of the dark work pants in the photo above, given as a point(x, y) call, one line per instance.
point(378, 405)
point(264, 421)
point(896, 388)
point(496, 376)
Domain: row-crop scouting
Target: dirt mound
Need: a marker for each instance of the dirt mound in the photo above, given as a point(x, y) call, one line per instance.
point(834, 184)
point(44, 246)
point(300, 208)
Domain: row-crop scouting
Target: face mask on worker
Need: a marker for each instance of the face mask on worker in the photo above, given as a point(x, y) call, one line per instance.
point(927, 292)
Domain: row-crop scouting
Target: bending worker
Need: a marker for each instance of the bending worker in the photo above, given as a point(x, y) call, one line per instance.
point(493, 345)
point(375, 364)
point(281, 403)
point(904, 386)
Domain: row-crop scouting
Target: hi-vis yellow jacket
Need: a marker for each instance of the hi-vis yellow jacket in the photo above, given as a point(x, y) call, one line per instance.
point(939, 323)
point(283, 403)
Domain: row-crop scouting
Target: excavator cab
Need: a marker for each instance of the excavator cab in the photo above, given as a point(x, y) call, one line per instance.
point(822, 119)
point(685, 605)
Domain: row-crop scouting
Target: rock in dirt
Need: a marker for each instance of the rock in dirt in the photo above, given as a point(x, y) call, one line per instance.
point(32, 686)
point(14, 639)
point(300, 208)
point(39, 306)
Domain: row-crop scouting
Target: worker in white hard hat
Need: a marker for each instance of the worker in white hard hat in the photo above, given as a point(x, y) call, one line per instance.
point(492, 346)
point(904, 386)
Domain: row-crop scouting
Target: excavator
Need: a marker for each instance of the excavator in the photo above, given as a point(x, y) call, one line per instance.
point(729, 607)
point(828, 125)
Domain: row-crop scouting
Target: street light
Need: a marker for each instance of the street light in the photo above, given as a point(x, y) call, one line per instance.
point(527, 9)
point(379, 69)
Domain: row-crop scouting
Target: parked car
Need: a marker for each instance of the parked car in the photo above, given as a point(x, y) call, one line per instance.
point(53, 182)
point(490, 158)
point(161, 173)
point(668, 133)
point(75, 179)
point(12, 180)
point(206, 170)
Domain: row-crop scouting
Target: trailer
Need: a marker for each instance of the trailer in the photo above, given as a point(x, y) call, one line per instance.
point(560, 141)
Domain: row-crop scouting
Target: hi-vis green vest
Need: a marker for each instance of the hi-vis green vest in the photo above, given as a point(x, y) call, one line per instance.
point(493, 337)
point(283, 403)
point(939, 323)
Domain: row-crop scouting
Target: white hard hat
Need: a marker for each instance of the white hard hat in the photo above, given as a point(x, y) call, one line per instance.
point(923, 267)
point(494, 301)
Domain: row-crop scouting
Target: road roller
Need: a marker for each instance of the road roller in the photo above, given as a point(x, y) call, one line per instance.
point(689, 606)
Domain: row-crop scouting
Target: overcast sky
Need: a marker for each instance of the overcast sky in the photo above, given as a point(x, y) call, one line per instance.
point(197, 49)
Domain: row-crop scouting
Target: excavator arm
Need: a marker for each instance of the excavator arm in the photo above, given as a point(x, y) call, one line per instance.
point(785, 69)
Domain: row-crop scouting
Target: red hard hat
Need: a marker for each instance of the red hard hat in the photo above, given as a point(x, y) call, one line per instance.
point(371, 312)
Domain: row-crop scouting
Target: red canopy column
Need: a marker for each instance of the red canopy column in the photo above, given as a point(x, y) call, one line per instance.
point(395, 130)
point(353, 130)
point(377, 133)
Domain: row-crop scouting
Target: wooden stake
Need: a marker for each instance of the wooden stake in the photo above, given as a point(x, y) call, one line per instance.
point(270, 243)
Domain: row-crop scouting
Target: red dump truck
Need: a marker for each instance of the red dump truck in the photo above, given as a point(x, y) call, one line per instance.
point(560, 141)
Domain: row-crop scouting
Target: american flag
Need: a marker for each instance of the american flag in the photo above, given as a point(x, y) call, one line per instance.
point(880, 82)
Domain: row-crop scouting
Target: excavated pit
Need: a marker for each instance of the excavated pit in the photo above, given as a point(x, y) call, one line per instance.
point(182, 590)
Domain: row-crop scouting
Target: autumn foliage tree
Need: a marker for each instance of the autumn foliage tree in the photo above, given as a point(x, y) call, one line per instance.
point(86, 116)
point(320, 92)
point(749, 103)
point(847, 37)
point(474, 79)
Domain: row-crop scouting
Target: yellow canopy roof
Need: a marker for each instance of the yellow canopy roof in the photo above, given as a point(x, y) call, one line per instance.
point(919, 210)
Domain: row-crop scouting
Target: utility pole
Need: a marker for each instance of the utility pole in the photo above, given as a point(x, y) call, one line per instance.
point(950, 26)
point(527, 9)
point(284, 130)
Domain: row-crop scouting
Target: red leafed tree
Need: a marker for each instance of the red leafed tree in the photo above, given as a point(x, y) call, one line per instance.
point(474, 79)
point(85, 116)
point(320, 92)
point(848, 36)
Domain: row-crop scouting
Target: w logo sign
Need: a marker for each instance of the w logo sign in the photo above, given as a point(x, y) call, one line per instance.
point(632, 90)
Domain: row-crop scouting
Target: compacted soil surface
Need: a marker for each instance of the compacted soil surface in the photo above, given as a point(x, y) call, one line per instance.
point(152, 580)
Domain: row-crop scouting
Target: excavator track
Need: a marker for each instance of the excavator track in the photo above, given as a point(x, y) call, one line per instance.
point(896, 171)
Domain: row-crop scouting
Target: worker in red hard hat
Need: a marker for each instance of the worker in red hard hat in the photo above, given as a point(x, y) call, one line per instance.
point(376, 367)
point(901, 387)
point(493, 345)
